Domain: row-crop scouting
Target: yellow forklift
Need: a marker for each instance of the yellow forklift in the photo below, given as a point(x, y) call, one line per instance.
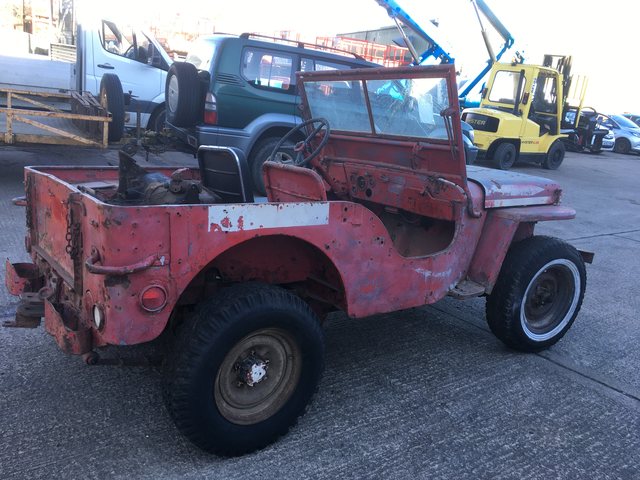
point(527, 112)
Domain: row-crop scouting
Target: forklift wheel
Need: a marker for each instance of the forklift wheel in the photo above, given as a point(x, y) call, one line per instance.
point(555, 156)
point(505, 156)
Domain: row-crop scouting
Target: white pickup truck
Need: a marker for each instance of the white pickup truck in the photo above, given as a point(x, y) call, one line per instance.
point(101, 47)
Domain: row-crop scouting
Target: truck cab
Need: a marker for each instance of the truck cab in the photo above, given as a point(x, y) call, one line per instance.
point(136, 57)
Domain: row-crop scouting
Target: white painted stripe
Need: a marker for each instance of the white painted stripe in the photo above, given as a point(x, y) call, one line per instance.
point(253, 216)
point(517, 202)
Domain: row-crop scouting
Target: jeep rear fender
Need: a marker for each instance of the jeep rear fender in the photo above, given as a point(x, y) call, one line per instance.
point(275, 259)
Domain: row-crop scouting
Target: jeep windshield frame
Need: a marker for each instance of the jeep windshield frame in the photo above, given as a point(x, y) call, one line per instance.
point(358, 133)
point(406, 103)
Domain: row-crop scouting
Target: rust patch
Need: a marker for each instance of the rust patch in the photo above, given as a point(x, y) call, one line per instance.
point(117, 280)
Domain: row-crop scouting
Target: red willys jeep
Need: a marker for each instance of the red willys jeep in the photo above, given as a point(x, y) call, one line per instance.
point(387, 217)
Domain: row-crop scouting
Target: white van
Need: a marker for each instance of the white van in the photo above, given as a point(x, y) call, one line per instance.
point(102, 46)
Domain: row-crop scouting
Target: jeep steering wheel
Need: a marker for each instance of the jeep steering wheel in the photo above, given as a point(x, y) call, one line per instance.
point(303, 152)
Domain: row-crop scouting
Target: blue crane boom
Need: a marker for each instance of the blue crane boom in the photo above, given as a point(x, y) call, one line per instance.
point(436, 51)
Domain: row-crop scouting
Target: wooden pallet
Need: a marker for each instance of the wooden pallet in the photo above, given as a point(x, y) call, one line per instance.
point(38, 117)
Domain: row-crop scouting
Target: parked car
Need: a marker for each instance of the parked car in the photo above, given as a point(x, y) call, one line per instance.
point(240, 91)
point(609, 141)
point(627, 133)
point(633, 117)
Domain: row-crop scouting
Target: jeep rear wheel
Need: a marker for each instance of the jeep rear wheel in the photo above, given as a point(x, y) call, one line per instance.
point(538, 293)
point(244, 368)
point(182, 95)
point(505, 156)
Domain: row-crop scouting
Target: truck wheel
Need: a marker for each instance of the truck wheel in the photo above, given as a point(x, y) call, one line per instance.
point(244, 369)
point(505, 156)
point(555, 156)
point(112, 98)
point(538, 293)
point(263, 150)
point(157, 120)
point(622, 145)
point(182, 94)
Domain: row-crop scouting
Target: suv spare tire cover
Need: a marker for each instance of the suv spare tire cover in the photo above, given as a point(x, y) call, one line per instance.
point(182, 95)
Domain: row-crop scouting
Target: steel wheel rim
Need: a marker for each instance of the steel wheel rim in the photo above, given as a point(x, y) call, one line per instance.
point(282, 157)
point(243, 404)
point(173, 90)
point(550, 300)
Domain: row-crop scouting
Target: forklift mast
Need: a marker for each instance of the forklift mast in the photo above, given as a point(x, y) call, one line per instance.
point(562, 64)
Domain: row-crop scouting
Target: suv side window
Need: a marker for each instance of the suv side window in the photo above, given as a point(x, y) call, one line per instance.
point(310, 65)
point(269, 70)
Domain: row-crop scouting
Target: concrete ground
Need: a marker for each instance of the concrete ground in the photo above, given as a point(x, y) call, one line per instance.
point(425, 393)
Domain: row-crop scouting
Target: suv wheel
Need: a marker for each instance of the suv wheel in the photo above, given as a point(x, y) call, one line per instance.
point(182, 95)
point(263, 150)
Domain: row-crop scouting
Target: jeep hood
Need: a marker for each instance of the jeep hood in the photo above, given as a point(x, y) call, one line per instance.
point(509, 189)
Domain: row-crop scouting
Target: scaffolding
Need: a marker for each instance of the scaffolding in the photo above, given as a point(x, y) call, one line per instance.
point(385, 55)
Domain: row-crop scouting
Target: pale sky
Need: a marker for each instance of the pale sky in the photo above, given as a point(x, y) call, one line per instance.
point(598, 35)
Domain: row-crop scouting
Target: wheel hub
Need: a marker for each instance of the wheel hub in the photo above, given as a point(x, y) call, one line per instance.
point(550, 299)
point(257, 376)
point(252, 370)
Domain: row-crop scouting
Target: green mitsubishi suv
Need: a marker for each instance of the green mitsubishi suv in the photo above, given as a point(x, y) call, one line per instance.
point(240, 91)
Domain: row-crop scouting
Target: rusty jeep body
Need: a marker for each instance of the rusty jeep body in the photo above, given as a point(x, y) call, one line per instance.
point(386, 217)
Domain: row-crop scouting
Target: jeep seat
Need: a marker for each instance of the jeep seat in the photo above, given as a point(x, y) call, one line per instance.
point(224, 172)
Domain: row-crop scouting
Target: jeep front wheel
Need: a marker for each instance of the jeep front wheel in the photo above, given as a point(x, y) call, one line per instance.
point(243, 370)
point(538, 293)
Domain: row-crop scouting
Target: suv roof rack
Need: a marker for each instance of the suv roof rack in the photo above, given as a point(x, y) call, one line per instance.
point(297, 43)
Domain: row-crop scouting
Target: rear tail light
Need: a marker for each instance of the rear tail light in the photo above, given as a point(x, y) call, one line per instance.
point(210, 109)
point(153, 298)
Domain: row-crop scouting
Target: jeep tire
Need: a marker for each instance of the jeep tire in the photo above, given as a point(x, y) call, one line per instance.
point(244, 368)
point(538, 293)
